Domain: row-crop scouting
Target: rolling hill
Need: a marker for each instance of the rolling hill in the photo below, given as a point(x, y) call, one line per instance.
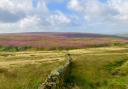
point(52, 40)
point(123, 35)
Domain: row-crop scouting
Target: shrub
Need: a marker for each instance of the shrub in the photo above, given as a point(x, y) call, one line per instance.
point(14, 48)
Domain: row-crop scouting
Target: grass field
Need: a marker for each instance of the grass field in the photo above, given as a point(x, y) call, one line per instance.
point(92, 68)
point(27, 70)
point(101, 68)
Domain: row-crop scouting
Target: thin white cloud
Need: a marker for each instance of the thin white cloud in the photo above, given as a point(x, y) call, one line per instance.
point(16, 5)
point(58, 19)
point(94, 10)
point(75, 5)
point(29, 22)
point(25, 16)
point(121, 7)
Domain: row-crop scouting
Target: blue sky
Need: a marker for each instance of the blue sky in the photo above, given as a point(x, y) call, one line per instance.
point(93, 16)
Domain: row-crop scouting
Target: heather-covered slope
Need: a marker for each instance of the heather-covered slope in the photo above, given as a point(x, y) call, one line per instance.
point(58, 40)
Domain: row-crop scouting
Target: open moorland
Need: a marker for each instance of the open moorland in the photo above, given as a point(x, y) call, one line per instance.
point(99, 62)
point(27, 70)
point(48, 41)
point(100, 68)
point(92, 68)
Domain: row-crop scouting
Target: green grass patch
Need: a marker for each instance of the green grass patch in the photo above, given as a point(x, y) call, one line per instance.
point(119, 62)
point(91, 71)
point(14, 48)
point(119, 44)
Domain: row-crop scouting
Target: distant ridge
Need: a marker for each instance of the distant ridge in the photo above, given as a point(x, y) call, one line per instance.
point(64, 34)
point(61, 40)
point(123, 35)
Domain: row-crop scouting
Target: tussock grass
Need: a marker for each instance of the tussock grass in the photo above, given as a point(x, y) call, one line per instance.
point(100, 71)
point(28, 69)
point(3, 70)
point(25, 77)
point(92, 68)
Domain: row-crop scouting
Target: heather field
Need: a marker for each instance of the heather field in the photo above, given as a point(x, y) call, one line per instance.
point(46, 41)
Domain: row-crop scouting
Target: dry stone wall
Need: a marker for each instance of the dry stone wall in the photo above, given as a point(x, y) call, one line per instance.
point(57, 78)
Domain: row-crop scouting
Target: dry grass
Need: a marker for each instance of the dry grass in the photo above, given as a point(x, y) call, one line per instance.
point(28, 69)
point(104, 68)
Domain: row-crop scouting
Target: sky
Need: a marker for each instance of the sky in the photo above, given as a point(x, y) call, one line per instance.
point(91, 16)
